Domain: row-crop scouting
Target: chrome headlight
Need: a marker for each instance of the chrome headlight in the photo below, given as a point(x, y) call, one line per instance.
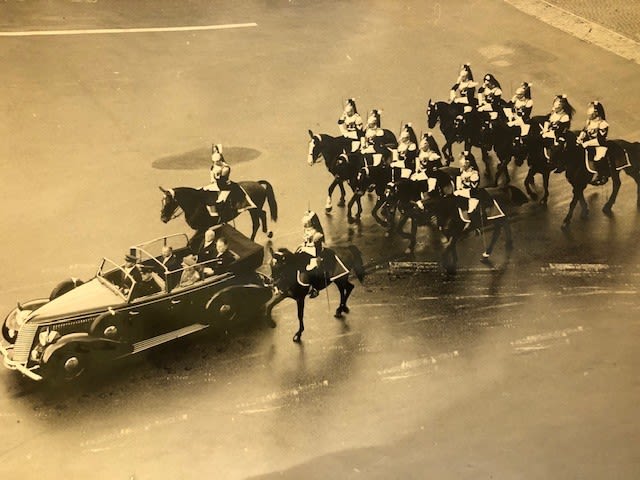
point(16, 319)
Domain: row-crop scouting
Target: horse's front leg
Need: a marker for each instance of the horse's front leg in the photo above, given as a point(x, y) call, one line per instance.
point(446, 151)
point(343, 193)
point(486, 159)
point(572, 205)
point(529, 182)
point(615, 178)
point(494, 239)
point(545, 184)
point(328, 206)
point(255, 222)
point(375, 210)
point(413, 237)
point(300, 302)
point(352, 200)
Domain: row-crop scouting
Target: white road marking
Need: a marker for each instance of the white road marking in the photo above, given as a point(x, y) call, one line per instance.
point(537, 338)
point(99, 31)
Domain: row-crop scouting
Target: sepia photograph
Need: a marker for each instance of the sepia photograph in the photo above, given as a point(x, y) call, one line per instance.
point(311, 239)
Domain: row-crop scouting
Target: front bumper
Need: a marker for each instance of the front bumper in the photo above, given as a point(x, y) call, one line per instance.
point(5, 351)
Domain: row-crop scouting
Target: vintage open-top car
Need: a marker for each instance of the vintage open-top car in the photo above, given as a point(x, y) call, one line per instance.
point(60, 337)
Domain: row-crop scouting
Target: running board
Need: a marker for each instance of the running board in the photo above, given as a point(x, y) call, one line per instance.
point(166, 337)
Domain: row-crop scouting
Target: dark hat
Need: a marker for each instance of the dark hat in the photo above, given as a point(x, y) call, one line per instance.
point(130, 258)
point(145, 269)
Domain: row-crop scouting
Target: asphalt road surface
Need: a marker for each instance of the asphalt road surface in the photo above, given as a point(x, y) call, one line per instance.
point(524, 368)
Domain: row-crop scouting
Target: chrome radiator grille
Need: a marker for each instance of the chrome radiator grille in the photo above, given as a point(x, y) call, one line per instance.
point(23, 343)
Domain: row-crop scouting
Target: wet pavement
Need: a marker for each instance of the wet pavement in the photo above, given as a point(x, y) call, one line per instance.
point(523, 368)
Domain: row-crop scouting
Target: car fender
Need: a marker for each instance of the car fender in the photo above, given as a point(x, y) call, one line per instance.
point(238, 298)
point(84, 343)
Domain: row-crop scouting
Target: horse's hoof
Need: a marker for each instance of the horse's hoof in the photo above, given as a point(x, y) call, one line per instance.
point(485, 255)
point(338, 314)
point(565, 226)
point(533, 195)
point(387, 234)
point(408, 251)
point(296, 338)
point(341, 203)
point(328, 209)
point(269, 234)
point(345, 309)
point(350, 220)
point(607, 210)
point(543, 202)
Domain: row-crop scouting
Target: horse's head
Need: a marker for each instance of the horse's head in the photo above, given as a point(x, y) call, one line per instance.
point(459, 125)
point(315, 149)
point(432, 114)
point(486, 133)
point(283, 266)
point(169, 205)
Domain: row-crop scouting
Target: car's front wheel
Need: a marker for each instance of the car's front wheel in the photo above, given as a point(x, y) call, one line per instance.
point(66, 366)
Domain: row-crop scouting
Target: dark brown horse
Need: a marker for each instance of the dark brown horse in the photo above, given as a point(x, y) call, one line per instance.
point(194, 201)
point(337, 262)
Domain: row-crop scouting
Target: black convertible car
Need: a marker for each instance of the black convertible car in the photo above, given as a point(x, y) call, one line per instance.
point(59, 337)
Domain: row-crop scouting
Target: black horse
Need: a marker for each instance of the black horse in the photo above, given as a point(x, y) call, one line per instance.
point(621, 155)
point(194, 202)
point(537, 158)
point(369, 179)
point(336, 265)
point(445, 113)
point(447, 212)
point(341, 162)
point(506, 143)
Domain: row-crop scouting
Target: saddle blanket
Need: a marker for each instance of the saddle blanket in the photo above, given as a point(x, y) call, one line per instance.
point(489, 212)
point(235, 197)
point(620, 161)
point(332, 268)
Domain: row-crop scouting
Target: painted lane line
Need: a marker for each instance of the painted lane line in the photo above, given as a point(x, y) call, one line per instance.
point(537, 338)
point(100, 31)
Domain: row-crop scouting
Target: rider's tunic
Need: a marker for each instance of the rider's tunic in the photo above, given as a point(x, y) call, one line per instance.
point(467, 186)
point(556, 126)
point(220, 172)
point(594, 134)
point(428, 163)
point(463, 92)
point(489, 99)
point(351, 126)
point(520, 113)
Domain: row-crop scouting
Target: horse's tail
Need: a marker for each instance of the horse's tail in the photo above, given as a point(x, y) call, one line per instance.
point(271, 199)
point(517, 196)
point(358, 264)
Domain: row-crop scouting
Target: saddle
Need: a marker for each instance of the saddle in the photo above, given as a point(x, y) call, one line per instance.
point(230, 198)
point(619, 162)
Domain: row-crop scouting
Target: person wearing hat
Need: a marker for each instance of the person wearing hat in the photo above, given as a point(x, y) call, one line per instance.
point(593, 138)
point(467, 184)
point(190, 274)
point(207, 251)
point(463, 92)
point(489, 97)
point(351, 125)
point(559, 120)
point(313, 238)
point(129, 273)
point(429, 161)
point(369, 144)
point(407, 150)
point(220, 172)
point(170, 266)
point(146, 285)
point(518, 111)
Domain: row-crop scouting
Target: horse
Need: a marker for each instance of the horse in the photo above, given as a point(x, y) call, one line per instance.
point(193, 202)
point(538, 162)
point(368, 178)
point(503, 140)
point(340, 161)
point(337, 263)
point(445, 113)
point(447, 211)
point(621, 155)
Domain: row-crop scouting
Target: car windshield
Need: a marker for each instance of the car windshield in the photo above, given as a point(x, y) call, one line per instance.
point(112, 275)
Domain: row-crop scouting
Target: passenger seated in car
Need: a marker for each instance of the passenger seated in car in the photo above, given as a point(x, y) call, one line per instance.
point(129, 271)
point(146, 285)
point(190, 274)
point(223, 257)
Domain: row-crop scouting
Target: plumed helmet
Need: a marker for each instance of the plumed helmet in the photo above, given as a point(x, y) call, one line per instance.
point(466, 68)
point(524, 90)
point(374, 119)
point(311, 219)
point(598, 108)
point(489, 79)
point(350, 104)
point(431, 141)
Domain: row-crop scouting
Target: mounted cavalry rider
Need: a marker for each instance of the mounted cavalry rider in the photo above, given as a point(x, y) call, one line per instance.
point(220, 172)
point(350, 124)
point(407, 150)
point(429, 161)
point(464, 90)
point(490, 97)
point(312, 245)
point(467, 186)
point(369, 144)
point(593, 138)
point(519, 110)
point(558, 124)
